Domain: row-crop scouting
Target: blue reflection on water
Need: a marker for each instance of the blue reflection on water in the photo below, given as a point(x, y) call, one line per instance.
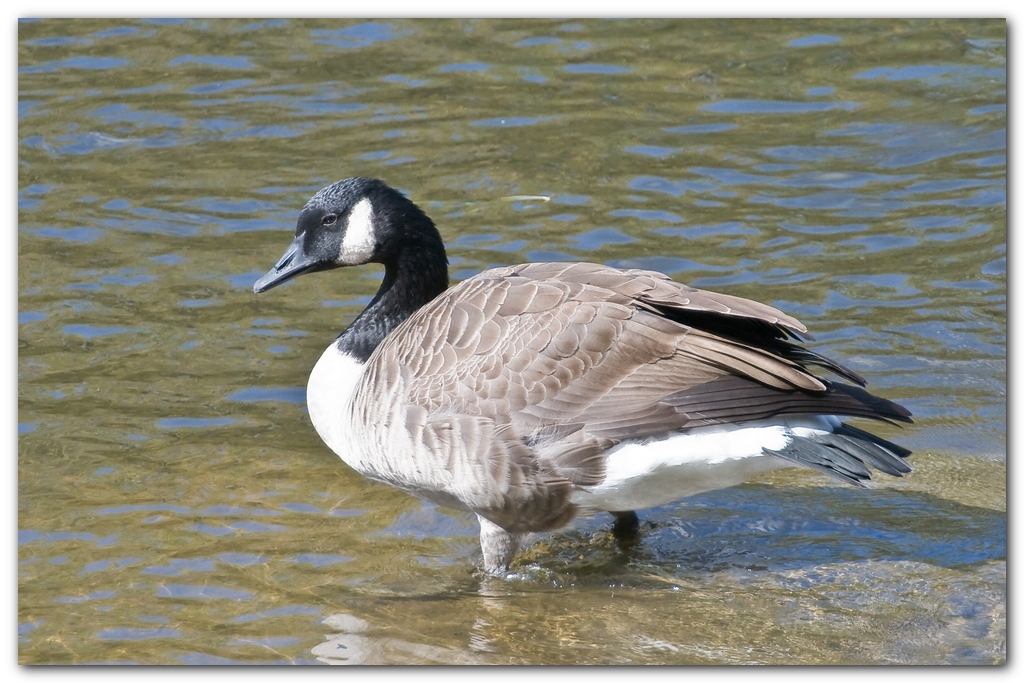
point(93, 331)
point(652, 151)
point(32, 536)
point(603, 69)
point(357, 36)
point(595, 239)
point(123, 113)
point(319, 560)
point(775, 107)
point(467, 66)
point(701, 128)
point(650, 215)
point(80, 234)
point(25, 317)
point(915, 144)
point(219, 86)
point(94, 63)
point(123, 633)
point(540, 40)
point(932, 74)
point(217, 61)
point(815, 40)
point(281, 394)
point(173, 590)
point(511, 121)
point(117, 31)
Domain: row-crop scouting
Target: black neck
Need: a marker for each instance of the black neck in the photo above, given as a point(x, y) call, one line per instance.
point(413, 277)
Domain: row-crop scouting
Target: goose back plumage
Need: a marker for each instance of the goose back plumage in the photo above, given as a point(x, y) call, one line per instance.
point(514, 383)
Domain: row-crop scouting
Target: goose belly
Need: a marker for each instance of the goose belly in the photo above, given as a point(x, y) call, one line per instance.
point(643, 474)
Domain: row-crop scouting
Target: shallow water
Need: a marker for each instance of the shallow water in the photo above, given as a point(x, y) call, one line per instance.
point(176, 507)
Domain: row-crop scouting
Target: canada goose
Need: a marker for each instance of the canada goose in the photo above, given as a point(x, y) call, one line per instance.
point(529, 393)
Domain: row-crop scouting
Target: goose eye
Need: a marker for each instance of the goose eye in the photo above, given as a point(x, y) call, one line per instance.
point(329, 219)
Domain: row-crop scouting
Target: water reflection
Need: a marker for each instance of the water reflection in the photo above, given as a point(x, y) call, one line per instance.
point(176, 507)
point(350, 643)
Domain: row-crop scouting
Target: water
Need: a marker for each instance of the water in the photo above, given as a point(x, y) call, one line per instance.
point(176, 507)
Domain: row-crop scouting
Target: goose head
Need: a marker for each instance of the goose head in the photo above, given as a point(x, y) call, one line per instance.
point(352, 222)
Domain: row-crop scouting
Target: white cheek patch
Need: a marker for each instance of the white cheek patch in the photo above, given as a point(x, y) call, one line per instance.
point(358, 245)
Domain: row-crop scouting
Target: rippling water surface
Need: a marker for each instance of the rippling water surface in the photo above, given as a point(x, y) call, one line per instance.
point(176, 506)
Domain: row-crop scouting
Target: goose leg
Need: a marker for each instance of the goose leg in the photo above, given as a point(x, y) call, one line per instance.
point(499, 546)
point(626, 526)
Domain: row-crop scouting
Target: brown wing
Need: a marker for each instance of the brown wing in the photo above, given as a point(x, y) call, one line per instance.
point(560, 361)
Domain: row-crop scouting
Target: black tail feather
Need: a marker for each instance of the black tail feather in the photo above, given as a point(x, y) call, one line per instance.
point(846, 453)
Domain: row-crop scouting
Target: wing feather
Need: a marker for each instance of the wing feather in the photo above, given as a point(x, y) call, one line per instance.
point(535, 370)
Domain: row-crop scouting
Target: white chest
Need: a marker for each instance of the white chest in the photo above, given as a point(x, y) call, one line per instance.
point(329, 393)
